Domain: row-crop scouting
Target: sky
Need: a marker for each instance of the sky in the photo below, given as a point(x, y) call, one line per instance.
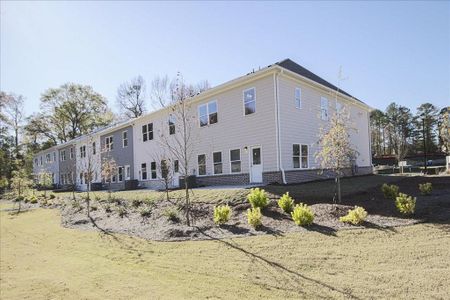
point(388, 51)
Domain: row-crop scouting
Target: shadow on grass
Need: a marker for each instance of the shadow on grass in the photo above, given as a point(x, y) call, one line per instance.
point(322, 229)
point(234, 229)
point(290, 275)
point(371, 225)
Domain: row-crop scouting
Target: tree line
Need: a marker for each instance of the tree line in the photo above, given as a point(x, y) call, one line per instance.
point(399, 132)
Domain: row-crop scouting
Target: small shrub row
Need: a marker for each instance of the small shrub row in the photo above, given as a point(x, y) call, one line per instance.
point(426, 188)
point(405, 204)
point(222, 214)
point(389, 191)
point(355, 216)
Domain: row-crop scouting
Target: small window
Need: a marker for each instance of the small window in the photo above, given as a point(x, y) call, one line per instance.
point(144, 133)
point(172, 124)
point(235, 160)
point(153, 169)
point(109, 143)
point(71, 153)
point(63, 155)
point(207, 113)
point(48, 158)
point(249, 101)
point(127, 172)
point(125, 139)
point(176, 166)
point(35, 162)
point(298, 98)
point(203, 115)
point(324, 108)
point(41, 160)
point(54, 156)
point(94, 150)
point(217, 161)
point(144, 171)
point(81, 178)
point(83, 151)
point(300, 156)
point(120, 173)
point(150, 131)
point(201, 160)
point(114, 178)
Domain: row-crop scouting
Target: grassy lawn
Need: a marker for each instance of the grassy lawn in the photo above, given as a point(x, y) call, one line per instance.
point(39, 259)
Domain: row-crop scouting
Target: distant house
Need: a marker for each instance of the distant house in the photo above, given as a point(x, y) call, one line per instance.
point(259, 128)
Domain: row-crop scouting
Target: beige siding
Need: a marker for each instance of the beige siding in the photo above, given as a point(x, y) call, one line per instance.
point(302, 126)
point(233, 130)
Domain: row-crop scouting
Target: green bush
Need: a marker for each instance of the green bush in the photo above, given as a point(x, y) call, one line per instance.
point(76, 205)
point(145, 212)
point(258, 198)
point(52, 196)
point(286, 203)
point(254, 217)
point(33, 199)
point(222, 214)
point(355, 216)
point(302, 215)
point(171, 214)
point(389, 191)
point(20, 199)
point(405, 204)
point(426, 188)
point(136, 203)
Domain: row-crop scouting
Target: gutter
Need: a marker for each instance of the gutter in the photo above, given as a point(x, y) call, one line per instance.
point(277, 101)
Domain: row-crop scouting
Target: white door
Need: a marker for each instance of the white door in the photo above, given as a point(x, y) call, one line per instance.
point(176, 174)
point(256, 166)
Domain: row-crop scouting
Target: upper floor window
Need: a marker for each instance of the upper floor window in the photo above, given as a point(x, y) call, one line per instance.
point(120, 173)
point(235, 160)
point(147, 132)
point(36, 161)
point(300, 156)
point(54, 156)
point(71, 153)
point(207, 113)
point(298, 98)
point(217, 162)
point(172, 124)
point(41, 160)
point(153, 169)
point(125, 139)
point(94, 150)
point(249, 101)
point(48, 158)
point(176, 166)
point(109, 143)
point(63, 155)
point(324, 108)
point(201, 161)
point(83, 151)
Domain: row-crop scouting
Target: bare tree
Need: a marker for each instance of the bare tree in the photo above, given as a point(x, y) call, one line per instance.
point(13, 107)
point(131, 97)
point(109, 169)
point(89, 166)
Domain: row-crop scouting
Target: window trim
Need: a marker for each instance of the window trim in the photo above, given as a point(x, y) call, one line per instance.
point(170, 125)
point(153, 171)
point(124, 138)
point(300, 156)
point(118, 173)
point(243, 101)
point(109, 146)
point(300, 98)
point(322, 98)
point(142, 173)
point(72, 154)
point(240, 160)
point(214, 163)
point(129, 173)
point(198, 166)
point(206, 104)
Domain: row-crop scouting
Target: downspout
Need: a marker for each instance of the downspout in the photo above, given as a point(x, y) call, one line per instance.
point(277, 100)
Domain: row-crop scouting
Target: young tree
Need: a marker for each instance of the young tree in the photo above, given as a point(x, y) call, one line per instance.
point(13, 108)
point(109, 169)
point(336, 152)
point(20, 182)
point(425, 122)
point(45, 180)
point(131, 97)
point(88, 167)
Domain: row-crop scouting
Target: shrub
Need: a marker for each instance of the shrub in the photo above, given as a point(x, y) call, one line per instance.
point(222, 214)
point(257, 198)
point(405, 204)
point(136, 203)
point(302, 215)
point(52, 196)
point(426, 188)
point(33, 199)
point(108, 208)
point(94, 207)
point(286, 203)
point(171, 214)
point(97, 198)
point(355, 216)
point(389, 191)
point(121, 211)
point(254, 217)
point(76, 205)
point(145, 212)
point(20, 199)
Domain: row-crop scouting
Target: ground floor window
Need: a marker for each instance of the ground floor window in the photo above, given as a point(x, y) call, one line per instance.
point(201, 161)
point(235, 160)
point(300, 156)
point(176, 166)
point(153, 169)
point(217, 161)
point(144, 171)
point(120, 173)
point(127, 172)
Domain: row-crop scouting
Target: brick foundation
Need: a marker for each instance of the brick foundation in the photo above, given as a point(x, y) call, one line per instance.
point(226, 179)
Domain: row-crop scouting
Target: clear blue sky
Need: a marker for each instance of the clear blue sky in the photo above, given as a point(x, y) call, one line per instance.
point(390, 51)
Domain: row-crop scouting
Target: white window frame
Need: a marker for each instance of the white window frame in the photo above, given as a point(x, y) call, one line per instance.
point(198, 166)
point(109, 143)
point(172, 119)
point(94, 148)
point(54, 156)
point(214, 163)
point(298, 98)
point(62, 154)
point(71, 153)
point(124, 138)
point(240, 161)
point(208, 113)
point(118, 174)
point(48, 158)
point(82, 151)
point(243, 100)
point(324, 109)
point(142, 172)
point(127, 172)
point(300, 156)
point(153, 171)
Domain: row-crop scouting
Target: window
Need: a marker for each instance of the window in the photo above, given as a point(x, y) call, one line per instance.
point(36, 161)
point(300, 156)
point(144, 171)
point(324, 108)
point(41, 160)
point(127, 173)
point(63, 155)
point(201, 160)
point(176, 166)
point(81, 178)
point(125, 139)
point(147, 132)
point(109, 143)
point(48, 158)
point(83, 151)
point(71, 153)
point(249, 101)
point(217, 161)
point(54, 156)
point(114, 178)
point(94, 150)
point(120, 172)
point(171, 124)
point(207, 113)
point(153, 169)
point(235, 160)
point(298, 98)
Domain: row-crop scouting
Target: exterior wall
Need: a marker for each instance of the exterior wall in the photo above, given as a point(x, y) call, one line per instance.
point(40, 163)
point(302, 126)
point(90, 162)
point(123, 156)
point(298, 176)
point(68, 166)
point(233, 130)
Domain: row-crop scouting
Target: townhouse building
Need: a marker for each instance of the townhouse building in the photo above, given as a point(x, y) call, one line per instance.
point(259, 128)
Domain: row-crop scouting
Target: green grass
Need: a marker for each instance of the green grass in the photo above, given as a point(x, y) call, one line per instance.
point(39, 259)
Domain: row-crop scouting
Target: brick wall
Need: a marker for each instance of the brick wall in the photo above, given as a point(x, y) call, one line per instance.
point(229, 179)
